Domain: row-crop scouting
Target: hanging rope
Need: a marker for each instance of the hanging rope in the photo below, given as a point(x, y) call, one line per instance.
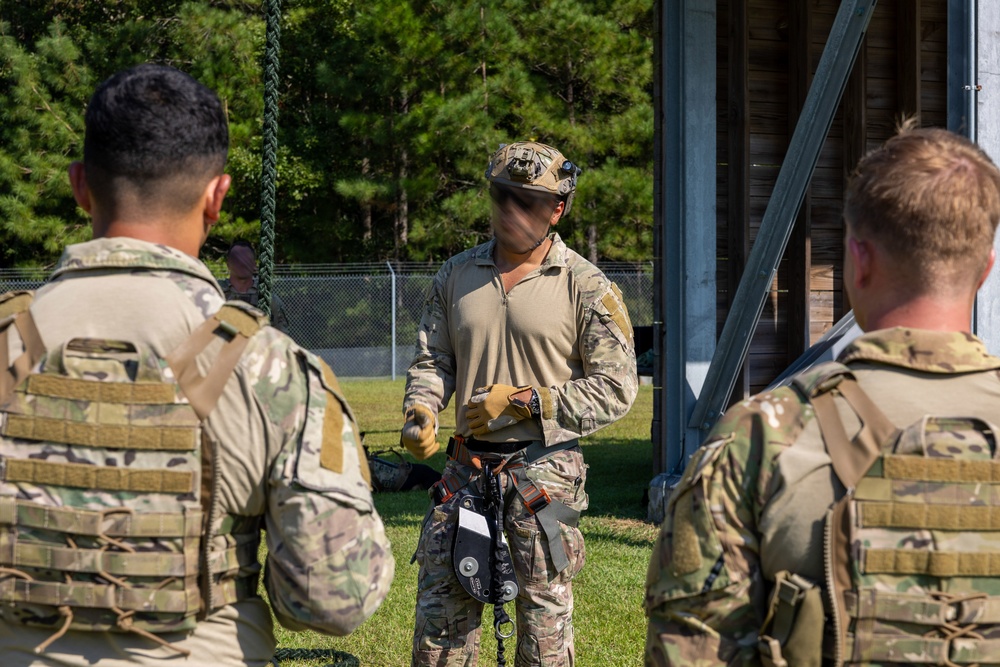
point(269, 166)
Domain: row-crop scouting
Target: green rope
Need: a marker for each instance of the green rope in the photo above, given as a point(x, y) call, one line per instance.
point(340, 659)
point(269, 166)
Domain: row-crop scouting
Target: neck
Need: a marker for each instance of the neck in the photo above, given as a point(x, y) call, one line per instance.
point(186, 233)
point(507, 260)
point(922, 312)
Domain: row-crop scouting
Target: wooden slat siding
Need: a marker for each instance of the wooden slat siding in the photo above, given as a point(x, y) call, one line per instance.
point(876, 101)
point(908, 57)
point(722, 239)
point(799, 250)
point(855, 105)
point(738, 173)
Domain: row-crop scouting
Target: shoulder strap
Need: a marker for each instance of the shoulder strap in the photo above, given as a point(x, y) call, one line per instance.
point(851, 457)
point(14, 307)
point(236, 326)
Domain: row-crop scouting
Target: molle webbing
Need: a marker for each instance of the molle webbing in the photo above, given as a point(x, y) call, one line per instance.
point(931, 563)
point(915, 650)
point(83, 476)
point(112, 436)
point(134, 393)
point(120, 563)
point(921, 609)
point(114, 598)
point(98, 523)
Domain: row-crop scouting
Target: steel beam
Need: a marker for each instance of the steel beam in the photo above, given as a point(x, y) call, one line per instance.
point(821, 103)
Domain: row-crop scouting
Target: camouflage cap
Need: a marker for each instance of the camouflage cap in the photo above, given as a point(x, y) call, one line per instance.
point(534, 166)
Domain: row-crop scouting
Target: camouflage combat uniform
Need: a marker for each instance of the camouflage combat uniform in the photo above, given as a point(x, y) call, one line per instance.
point(753, 499)
point(562, 327)
point(279, 320)
point(329, 563)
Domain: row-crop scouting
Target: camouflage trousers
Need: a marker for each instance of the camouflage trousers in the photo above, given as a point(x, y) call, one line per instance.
point(448, 619)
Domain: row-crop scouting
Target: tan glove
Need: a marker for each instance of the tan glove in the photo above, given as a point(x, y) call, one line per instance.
point(494, 407)
point(419, 434)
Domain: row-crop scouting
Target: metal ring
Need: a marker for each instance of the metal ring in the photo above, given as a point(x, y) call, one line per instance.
point(499, 633)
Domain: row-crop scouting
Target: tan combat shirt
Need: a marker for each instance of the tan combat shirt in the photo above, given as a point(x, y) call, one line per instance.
point(563, 327)
point(329, 564)
point(754, 497)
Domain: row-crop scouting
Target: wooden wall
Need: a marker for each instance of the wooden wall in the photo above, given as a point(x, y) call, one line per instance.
point(768, 51)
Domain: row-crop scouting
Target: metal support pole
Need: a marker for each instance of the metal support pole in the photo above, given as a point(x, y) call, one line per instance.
point(393, 283)
point(821, 104)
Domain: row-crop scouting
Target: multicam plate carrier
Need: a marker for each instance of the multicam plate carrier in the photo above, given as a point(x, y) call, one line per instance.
point(109, 514)
point(912, 549)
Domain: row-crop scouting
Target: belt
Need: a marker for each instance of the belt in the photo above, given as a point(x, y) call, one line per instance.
point(484, 447)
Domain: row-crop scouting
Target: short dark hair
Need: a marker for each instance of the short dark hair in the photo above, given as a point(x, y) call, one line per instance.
point(240, 243)
point(155, 131)
point(932, 199)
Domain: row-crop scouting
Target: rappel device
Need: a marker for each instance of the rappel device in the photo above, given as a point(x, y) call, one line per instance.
point(481, 555)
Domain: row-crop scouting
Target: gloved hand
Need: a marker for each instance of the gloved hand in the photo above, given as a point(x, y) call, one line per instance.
point(494, 407)
point(419, 434)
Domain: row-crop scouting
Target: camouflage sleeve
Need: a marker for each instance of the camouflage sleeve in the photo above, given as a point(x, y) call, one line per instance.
point(610, 382)
point(705, 592)
point(329, 563)
point(430, 379)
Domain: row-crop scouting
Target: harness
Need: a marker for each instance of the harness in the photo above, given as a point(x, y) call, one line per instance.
point(109, 482)
point(480, 536)
point(550, 512)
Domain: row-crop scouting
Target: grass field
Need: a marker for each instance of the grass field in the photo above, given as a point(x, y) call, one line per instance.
point(608, 618)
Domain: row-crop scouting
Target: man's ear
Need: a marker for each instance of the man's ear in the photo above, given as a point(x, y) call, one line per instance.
point(861, 259)
point(78, 181)
point(989, 267)
point(215, 193)
point(557, 213)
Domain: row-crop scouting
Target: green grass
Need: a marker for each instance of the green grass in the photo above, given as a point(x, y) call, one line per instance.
point(609, 623)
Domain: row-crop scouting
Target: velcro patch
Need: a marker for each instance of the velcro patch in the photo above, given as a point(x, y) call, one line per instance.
point(331, 454)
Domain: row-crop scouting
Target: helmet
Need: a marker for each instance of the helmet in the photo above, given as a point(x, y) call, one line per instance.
point(535, 166)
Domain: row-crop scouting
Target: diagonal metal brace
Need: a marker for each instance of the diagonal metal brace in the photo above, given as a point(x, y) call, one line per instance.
point(846, 37)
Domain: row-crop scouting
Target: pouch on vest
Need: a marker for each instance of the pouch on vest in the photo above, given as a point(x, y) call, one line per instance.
point(108, 494)
point(793, 629)
point(913, 547)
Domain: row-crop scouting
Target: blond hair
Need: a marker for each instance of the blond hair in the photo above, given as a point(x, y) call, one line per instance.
point(931, 199)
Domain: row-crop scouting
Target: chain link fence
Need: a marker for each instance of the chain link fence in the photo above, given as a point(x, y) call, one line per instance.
point(363, 318)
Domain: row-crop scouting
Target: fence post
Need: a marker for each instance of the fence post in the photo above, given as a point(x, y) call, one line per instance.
point(393, 279)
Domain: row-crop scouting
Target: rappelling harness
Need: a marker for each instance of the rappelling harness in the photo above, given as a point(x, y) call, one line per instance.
point(480, 553)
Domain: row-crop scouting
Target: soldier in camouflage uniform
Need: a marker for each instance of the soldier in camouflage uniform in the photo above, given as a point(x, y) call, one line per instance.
point(920, 217)
point(279, 421)
point(535, 346)
point(241, 285)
